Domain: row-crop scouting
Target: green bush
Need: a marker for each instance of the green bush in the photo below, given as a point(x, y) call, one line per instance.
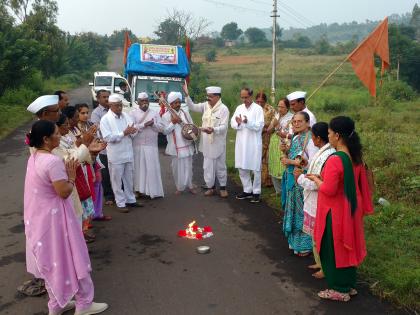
point(397, 90)
point(21, 96)
point(334, 106)
point(211, 55)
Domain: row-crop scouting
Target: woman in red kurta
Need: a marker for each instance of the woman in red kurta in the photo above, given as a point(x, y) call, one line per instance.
point(343, 199)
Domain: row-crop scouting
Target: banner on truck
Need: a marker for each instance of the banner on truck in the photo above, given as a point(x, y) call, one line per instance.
point(162, 54)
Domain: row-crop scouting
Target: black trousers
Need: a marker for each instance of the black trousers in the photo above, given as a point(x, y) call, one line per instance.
point(106, 180)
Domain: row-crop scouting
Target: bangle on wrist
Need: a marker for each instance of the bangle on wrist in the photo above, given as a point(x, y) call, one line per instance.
point(71, 181)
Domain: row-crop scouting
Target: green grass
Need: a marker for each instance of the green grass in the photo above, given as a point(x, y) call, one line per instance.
point(389, 133)
point(12, 117)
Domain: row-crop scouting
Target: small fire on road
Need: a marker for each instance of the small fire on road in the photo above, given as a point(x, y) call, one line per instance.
point(195, 232)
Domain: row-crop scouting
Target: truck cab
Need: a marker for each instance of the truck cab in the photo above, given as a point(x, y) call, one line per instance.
point(155, 69)
point(156, 84)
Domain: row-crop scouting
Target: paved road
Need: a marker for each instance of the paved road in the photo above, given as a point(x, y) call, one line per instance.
point(142, 267)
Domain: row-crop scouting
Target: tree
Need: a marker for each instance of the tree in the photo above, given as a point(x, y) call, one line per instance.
point(415, 20)
point(255, 35)
point(170, 32)
point(322, 46)
point(230, 31)
point(405, 50)
point(179, 24)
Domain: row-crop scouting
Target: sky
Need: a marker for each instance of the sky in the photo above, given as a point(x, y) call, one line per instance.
point(142, 17)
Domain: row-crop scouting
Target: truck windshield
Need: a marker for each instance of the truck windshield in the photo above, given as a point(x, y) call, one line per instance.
point(157, 85)
point(103, 81)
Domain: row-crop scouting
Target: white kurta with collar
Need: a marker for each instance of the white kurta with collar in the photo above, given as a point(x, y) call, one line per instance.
point(180, 149)
point(213, 146)
point(120, 156)
point(248, 145)
point(147, 173)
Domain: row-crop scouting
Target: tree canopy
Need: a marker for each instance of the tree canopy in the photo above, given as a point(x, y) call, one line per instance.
point(230, 31)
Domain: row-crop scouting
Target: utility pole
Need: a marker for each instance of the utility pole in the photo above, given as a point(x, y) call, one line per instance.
point(274, 63)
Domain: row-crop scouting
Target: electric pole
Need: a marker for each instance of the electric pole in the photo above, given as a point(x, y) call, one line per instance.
point(274, 63)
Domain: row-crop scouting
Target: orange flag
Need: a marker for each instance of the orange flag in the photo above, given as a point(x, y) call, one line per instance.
point(362, 58)
point(188, 53)
point(127, 44)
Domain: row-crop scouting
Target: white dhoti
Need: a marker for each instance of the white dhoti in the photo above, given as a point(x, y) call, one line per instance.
point(147, 175)
point(215, 168)
point(182, 172)
point(122, 174)
point(248, 185)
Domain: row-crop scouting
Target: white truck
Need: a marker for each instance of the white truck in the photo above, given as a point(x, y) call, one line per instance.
point(156, 69)
point(109, 81)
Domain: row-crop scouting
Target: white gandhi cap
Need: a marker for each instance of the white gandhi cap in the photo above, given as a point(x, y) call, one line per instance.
point(115, 98)
point(296, 95)
point(42, 102)
point(213, 90)
point(142, 96)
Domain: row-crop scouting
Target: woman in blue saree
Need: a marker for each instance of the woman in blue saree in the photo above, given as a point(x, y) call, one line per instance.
point(301, 150)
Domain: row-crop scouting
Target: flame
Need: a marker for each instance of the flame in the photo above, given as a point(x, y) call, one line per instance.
point(190, 230)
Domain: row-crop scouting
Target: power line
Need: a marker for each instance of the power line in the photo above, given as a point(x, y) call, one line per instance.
point(237, 7)
point(291, 13)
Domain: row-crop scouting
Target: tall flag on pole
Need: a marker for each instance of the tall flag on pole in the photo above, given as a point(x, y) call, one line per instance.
point(188, 52)
point(362, 58)
point(127, 44)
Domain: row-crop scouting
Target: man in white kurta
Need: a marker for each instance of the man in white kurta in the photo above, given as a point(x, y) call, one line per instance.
point(147, 175)
point(117, 130)
point(298, 103)
point(248, 121)
point(181, 149)
point(213, 138)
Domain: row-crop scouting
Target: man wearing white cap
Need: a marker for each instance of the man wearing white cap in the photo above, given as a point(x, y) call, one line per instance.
point(46, 107)
point(297, 104)
point(178, 147)
point(147, 175)
point(214, 128)
point(117, 130)
point(248, 121)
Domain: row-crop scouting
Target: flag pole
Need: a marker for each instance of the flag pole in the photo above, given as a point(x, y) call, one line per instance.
point(328, 77)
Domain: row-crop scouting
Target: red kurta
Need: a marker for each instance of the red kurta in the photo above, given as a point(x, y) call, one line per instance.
point(349, 240)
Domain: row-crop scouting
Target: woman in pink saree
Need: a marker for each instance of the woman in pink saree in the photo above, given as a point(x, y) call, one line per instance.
point(55, 248)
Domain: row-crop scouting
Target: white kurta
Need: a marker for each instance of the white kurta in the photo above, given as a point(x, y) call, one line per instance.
point(120, 147)
point(248, 146)
point(212, 147)
point(177, 144)
point(147, 173)
point(180, 149)
point(120, 156)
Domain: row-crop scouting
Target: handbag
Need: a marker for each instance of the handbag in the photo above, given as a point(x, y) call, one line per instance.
point(82, 185)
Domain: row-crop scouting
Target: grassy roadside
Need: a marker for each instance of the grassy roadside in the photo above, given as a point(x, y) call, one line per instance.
point(388, 128)
point(13, 103)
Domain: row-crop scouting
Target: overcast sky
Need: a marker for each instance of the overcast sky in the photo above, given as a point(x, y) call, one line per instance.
point(142, 17)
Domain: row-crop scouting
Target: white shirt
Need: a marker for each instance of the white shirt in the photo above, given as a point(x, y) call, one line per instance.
point(147, 136)
point(120, 147)
point(212, 149)
point(248, 146)
point(96, 117)
point(312, 119)
point(177, 144)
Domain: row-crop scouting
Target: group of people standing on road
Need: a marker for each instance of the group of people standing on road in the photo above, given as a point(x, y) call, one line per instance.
point(79, 164)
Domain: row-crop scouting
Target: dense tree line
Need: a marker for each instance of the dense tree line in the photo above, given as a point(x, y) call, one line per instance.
point(33, 47)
